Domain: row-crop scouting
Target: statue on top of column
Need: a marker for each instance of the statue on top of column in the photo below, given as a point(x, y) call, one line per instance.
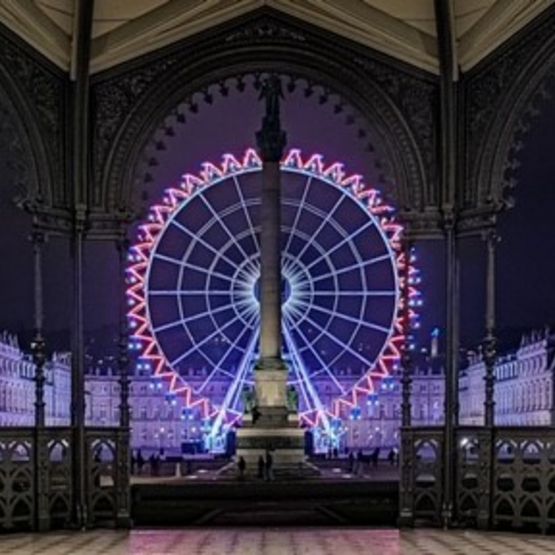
point(271, 139)
point(271, 92)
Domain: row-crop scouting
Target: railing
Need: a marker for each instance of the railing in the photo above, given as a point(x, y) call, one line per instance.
point(524, 478)
point(421, 475)
point(504, 477)
point(37, 478)
point(473, 475)
point(108, 469)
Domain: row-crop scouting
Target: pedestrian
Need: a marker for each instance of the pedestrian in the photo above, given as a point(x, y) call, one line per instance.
point(133, 463)
point(360, 460)
point(261, 466)
point(140, 461)
point(242, 466)
point(269, 467)
point(151, 462)
point(351, 462)
point(375, 457)
point(391, 457)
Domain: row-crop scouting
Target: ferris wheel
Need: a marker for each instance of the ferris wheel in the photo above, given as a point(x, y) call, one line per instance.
point(194, 283)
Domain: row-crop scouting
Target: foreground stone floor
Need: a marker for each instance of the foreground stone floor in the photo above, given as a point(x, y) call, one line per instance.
point(287, 541)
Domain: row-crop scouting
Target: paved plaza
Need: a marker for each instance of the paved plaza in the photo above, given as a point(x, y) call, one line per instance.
point(274, 541)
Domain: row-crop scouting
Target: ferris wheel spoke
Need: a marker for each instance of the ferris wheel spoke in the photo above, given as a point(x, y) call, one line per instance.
point(247, 312)
point(343, 241)
point(296, 277)
point(194, 317)
point(295, 312)
point(310, 347)
point(204, 243)
point(246, 212)
point(231, 398)
point(232, 346)
point(298, 212)
point(197, 346)
point(323, 223)
point(357, 266)
point(188, 292)
point(354, 293)
point(224, 226)
point(343, 346)
point(191, 266)
point(347, 318)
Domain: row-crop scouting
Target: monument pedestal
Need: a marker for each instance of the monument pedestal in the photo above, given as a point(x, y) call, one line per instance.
point(286, 445)
point(276, 428)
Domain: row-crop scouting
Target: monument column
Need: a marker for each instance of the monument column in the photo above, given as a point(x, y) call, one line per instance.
point(272, 424)
point(271, 372)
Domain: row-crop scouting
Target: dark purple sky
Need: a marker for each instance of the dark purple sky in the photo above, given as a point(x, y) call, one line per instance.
point(526, 268)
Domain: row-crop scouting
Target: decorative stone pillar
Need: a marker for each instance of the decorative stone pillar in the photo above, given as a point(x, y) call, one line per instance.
point(123, 340)
point(80, 453)
point(38, 346)
point(123, 518)
point(406, 376)
point(38, 350)
point(449, 451)
point(489, 344)
point(486, 436)
point(406, 478)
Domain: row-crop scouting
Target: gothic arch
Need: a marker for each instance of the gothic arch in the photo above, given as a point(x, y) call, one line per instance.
point(396, 103)
point(32, 96)
point(502, 98)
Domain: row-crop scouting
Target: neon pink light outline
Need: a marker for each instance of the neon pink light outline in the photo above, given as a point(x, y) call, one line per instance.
point(231, 166)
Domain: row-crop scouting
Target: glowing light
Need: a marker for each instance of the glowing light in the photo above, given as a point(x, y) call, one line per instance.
point(317, 414)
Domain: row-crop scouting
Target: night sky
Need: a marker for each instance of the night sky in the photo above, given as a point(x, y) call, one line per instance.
point(526, 268)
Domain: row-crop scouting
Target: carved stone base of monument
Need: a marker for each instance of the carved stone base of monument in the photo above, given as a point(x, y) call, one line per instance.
point(286, 445)
point(276, 429)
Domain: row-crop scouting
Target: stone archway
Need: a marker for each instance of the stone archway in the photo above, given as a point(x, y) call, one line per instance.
point(398, 104)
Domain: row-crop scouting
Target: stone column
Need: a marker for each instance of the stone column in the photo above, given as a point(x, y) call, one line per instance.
point(271, 372)
point(38, 349)
point(406, 377)
point(271, 427)
point(406, 477)
point(122, 246)
point(79, 449)
point(489, 344)
point(123, 498)
point(37, 344)
point(451, 374)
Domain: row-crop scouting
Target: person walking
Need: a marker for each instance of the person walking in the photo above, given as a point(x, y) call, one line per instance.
point(360, 461)
point(351, 462)
point(261, 467)
point(133, 463)
point(391, 457)
point(269, 467)
point(140, 462)
point(242, 466)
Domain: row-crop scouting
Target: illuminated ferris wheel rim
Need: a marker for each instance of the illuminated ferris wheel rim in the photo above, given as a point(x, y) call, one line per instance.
point(177, 199)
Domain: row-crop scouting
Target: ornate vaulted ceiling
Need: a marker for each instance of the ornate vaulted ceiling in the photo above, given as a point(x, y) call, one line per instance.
point(404, 29)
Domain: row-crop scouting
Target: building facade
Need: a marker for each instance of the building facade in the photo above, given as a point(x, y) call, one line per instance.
point(523, 384)
point(523, 396)
point(17, 386)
